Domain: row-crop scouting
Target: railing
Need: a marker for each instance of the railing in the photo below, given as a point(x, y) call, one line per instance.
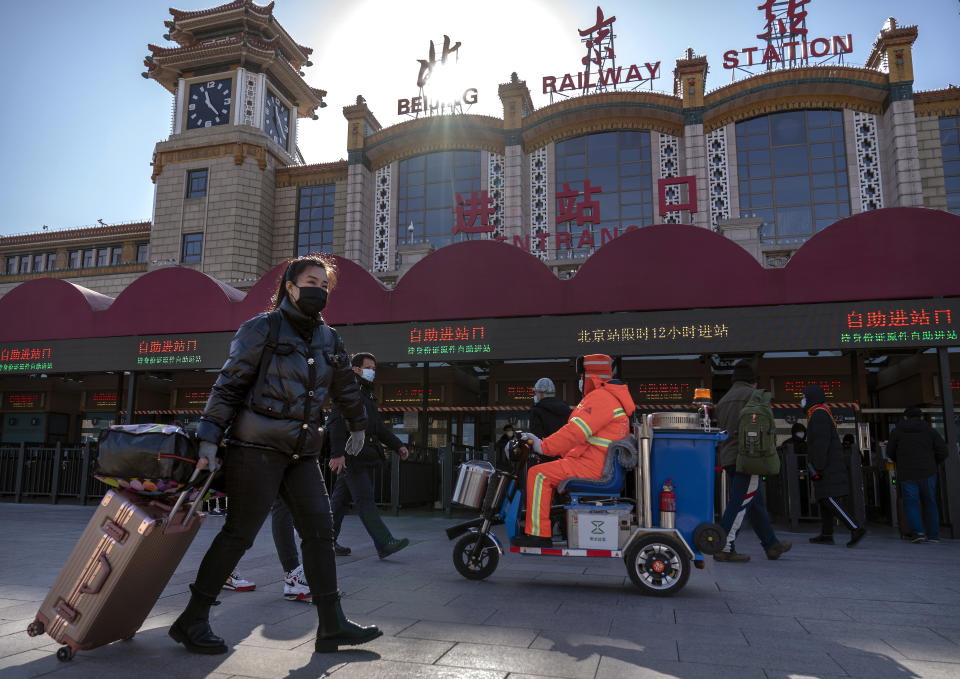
point(38, 472)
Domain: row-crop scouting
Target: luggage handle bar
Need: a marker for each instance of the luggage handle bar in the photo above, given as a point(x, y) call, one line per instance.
point(193, 505)
point(97, 584)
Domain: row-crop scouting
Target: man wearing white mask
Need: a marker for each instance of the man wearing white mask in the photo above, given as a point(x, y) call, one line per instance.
point(354, 479)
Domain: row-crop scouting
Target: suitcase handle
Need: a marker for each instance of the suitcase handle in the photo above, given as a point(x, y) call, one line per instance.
point(193, 505)
point(102, 576)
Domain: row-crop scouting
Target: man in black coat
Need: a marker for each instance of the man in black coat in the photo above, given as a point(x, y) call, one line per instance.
point(548, 413)
point(917, 449)
point(354, 471)
point(831, 480)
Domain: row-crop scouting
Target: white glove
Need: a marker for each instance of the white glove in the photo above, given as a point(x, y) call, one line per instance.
point(355, 442)
point(208, 454)
point(534, 442)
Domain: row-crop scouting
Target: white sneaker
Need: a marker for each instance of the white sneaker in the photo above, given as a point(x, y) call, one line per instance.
point(295, 587)
point(238, 584)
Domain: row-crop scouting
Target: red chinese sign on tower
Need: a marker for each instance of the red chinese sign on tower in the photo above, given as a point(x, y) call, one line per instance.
point(599, 41)
point(570, 208)
point(796, 16)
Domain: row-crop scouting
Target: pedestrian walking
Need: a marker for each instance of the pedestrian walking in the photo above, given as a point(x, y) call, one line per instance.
point(746, 490)
point(354, 471)
point(266, 406)
point(918, 449)
point(827, 464)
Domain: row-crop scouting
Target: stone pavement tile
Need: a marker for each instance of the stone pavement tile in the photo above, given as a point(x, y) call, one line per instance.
point(522, 660)
point(647, 613)
point(643, 632)
point(389, 625)
point(14, 626)
point(401, 649)
point(947, 632)
point(585, 645)
point(23, 592)
point(382, 669)
point(478, 634)
point(19, 641)
point(935, 649)
point(739, 620)
point(912, 619)
point(931, 670)
point(812, 611)
point(634, 668)
point(797, 661)
point(436, 613)
point(386, 593)
point(29, 664)
point(527, 616)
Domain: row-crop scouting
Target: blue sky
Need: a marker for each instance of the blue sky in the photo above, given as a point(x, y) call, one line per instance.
point(80, 124)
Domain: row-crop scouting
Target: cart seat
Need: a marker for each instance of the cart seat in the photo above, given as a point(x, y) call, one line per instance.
point(622, 455)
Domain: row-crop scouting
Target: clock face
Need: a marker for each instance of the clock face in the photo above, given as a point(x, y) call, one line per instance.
point(209, 104)
point(276, 119)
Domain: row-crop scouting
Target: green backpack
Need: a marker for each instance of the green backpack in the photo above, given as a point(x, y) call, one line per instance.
point(757, 442)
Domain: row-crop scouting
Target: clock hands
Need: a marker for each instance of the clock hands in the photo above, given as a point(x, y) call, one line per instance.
point(206, 96)
point(280, 130)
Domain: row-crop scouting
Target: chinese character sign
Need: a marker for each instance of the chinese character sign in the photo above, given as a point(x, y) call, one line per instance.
point(898, 325)
point(796, 16)
point(599, 40)
point(467, 212)
point(426, 65)
point(449, 341)
point(25, 359)
point(570, 207)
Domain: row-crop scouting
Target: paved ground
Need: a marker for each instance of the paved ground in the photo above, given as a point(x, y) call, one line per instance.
point(884, 609)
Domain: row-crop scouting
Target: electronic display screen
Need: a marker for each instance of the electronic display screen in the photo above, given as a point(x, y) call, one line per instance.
point(661, 391)
point(101, 400)
point(409, 395)
point(515, 393)
point(23, 400)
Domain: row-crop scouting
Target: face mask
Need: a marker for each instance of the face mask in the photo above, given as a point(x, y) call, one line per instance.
point(800, 435)
point(508, 434)
point(580, 385)
point(312, 300)
point(368, 374)
point(803, 402)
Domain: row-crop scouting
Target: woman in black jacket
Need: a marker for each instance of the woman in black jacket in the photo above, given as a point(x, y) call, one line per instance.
point(266, 406)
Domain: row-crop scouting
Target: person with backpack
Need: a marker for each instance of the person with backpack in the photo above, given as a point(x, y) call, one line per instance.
point(267, 407)
point(828, 465)
point(748, 452)
point(918, 449)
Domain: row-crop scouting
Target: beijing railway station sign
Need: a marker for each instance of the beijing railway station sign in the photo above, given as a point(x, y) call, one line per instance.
point(438, 92)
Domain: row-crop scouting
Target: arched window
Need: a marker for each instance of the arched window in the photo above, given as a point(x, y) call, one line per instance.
point(793, 173)
point(427, 186)
point(616, 163)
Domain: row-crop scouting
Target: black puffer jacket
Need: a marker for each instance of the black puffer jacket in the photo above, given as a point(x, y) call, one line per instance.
point(824, 449)
point(548, 415)
point(287, 414)
point(377, 434)
point(917, 448)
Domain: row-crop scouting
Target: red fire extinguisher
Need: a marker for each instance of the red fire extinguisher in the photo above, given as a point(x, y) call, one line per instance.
point(668, 505)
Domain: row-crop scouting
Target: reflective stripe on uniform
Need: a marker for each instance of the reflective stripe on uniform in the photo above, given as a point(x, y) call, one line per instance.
point(619, 411)
point(597, 441)
point(584, 427)
point(534, 522)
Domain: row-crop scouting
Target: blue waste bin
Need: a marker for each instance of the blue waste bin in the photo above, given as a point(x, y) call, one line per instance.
point(687, 457)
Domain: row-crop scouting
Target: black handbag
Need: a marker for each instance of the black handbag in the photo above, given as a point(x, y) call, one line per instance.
point(147, 451)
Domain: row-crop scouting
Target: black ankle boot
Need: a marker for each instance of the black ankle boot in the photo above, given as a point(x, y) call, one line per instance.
point(335, 630)
point(192, 628)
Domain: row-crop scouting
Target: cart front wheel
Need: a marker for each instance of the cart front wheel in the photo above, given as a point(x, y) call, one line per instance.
point(475, 556)
point(657, 565)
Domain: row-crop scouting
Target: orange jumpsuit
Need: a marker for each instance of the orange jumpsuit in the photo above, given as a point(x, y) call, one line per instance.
point(603, 416)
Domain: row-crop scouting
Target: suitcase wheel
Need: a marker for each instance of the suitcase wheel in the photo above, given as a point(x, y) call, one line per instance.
point(64, 653)
point(35, 628)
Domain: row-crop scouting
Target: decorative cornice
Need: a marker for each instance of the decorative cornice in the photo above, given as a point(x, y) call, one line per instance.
point(98, 232)
point(183, 15)
point(795, 102)
point(311, 175)
point(945, 102)
point(111, 270)
point(239, 151)
point(595, 125)
point(434, 133)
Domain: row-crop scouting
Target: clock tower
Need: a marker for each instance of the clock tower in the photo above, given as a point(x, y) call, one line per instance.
point(238, 91)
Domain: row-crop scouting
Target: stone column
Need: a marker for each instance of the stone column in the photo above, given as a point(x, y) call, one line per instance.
point(517, 104)
point(358, 244)
point(892, 52)
point(690, 78)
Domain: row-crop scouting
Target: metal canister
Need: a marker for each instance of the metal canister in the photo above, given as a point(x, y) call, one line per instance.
point(472, 483)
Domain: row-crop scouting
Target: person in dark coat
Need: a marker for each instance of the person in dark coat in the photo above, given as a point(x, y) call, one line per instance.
point(918, 449)
point(355, 471)
point(502, 462)
point(548, 413)
point(746, 490)
point(827, 464)
point(267, 406)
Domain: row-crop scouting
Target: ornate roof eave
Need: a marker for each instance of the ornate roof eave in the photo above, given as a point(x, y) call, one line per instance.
point(166, 67)
point(311, 175)
point(187, 24)
point(82, 233)
point(434, 133)
point(943, 102)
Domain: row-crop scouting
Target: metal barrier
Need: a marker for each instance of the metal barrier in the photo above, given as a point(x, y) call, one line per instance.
point(33, 472)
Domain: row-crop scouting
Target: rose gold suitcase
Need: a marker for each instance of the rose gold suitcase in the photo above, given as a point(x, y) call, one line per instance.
point(115, 574)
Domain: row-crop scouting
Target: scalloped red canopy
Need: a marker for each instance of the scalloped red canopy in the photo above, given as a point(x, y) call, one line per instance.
point(885, 254)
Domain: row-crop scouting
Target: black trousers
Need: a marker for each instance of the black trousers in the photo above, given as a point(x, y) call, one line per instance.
point(254, 479)
point(355, 482)
point(835, 507)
